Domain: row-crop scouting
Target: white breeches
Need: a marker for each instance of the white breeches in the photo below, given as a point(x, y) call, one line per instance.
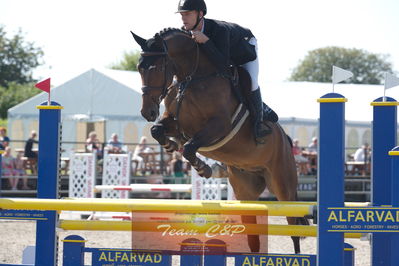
point(253, 66)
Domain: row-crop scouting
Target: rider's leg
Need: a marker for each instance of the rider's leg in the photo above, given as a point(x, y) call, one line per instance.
point(253, 69)
point(258, 109)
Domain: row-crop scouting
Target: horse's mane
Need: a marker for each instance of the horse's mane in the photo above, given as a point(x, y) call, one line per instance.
point(155, 46)
point(167, 31)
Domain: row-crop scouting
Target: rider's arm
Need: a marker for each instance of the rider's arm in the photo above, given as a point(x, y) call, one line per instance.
point(218, 48)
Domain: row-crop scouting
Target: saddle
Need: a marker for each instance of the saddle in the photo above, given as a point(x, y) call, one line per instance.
point(241, 84)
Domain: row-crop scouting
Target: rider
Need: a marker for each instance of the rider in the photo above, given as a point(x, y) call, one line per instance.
point(226, 44)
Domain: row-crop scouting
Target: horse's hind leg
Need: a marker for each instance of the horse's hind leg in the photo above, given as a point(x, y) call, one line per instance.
point(296, 239)
point(247, 186)
point(283, 184)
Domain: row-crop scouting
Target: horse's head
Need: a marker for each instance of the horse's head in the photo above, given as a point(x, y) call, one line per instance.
point(156, 74)
point(170, 52)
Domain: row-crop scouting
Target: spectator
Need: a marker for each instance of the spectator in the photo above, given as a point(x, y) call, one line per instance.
point(93, 145)
point(4, 140)
point(8, 168)
point(177, 165)
point(114, 145)
point(301, 161)
point(362, 154)
point(20, 171)
point(28, 152)
point(312, 147)
point(139, 156)
point(311, 154)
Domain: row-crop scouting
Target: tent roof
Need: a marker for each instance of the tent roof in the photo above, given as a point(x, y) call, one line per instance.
point(95, 94)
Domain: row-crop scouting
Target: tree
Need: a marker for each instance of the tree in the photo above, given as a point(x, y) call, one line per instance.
point(17, 59)
point(129, 61)
point(14, 94)
point(367, 68)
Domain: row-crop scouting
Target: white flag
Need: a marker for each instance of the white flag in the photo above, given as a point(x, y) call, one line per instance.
point(391, 81)
point(340, 74)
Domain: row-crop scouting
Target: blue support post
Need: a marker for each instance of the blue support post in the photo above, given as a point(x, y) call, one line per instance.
point(73, 254)
point(47, 182)
point(384, 139)
point(395, 201)
point(330, 188)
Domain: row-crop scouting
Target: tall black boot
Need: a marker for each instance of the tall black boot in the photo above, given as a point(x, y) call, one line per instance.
point(256, 108)
point(269, 114)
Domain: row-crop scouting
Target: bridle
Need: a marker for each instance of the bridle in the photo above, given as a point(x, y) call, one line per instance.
point(147, 89)
point(165, 61)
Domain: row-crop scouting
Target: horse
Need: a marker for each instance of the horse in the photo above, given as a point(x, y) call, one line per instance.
point(200, 106)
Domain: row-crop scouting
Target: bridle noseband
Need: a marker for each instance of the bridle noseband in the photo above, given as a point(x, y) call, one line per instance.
point(147, 89)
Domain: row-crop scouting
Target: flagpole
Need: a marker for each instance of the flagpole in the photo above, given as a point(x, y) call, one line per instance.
point(385, 86)
point(48, 100)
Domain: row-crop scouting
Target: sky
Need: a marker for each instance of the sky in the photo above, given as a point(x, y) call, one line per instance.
point(79, 35)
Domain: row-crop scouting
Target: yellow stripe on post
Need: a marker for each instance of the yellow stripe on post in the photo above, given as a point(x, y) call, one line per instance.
point(384, 103)
point(332, 100)
point(49, 107)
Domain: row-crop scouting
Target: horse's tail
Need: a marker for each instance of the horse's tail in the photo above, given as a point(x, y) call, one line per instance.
point(288, 137)
point(289, 140)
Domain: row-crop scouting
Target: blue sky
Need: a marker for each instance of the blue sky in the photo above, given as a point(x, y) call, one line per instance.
point(78, 35)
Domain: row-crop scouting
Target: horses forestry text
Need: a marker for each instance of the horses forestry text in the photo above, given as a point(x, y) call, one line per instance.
point(200, 104)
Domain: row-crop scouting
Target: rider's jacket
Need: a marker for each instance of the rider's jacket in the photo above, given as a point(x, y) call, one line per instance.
point(228, 43)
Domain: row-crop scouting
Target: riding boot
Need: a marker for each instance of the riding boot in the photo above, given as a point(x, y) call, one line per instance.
point(269, 114)
point(256, 108)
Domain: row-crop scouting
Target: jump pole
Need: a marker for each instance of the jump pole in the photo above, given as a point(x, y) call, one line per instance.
point(47, 182)
point(384, 128)
point(330, 185)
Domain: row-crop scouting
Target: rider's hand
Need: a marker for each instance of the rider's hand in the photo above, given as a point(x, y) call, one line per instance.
point(199, 37)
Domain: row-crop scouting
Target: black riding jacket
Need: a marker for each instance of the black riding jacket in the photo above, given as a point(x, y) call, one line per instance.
point(227, 44)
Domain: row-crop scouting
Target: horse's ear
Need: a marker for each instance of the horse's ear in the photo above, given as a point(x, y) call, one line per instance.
point(139, 40)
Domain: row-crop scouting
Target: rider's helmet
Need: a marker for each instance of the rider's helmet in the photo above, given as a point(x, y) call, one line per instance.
point(189, 5)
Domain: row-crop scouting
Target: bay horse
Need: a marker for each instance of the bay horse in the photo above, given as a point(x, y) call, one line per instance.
point(199, 106)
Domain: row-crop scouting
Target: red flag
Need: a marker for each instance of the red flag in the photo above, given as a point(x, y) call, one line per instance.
point(44, 85)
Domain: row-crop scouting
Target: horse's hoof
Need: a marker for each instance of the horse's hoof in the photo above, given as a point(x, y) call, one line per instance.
point(206, 172)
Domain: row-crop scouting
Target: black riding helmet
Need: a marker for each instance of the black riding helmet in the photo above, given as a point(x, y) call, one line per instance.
point(189, 5)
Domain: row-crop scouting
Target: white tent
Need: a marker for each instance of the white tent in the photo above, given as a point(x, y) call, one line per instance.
point(95, 98)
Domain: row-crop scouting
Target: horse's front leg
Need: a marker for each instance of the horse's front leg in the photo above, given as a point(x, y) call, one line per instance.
point(160, 131)
point(213, 130)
